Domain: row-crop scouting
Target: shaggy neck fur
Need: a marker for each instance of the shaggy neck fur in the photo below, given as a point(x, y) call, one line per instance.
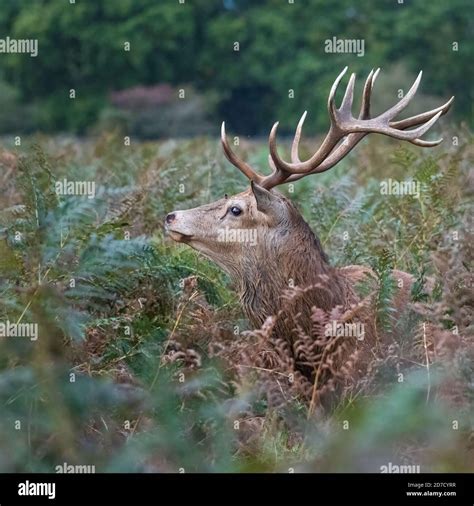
point(285, 257)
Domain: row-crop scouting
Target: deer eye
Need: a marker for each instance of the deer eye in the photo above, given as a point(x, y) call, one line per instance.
point(235, 210)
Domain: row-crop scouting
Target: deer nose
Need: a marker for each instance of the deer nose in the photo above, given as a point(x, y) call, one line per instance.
point(170, 218)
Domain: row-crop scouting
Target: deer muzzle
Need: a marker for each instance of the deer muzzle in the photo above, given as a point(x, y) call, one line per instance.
point(176, 228)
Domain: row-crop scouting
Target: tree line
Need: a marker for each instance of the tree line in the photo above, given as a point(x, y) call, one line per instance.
point(252, 61)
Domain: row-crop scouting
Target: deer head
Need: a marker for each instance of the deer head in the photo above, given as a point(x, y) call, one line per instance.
point(279, 245)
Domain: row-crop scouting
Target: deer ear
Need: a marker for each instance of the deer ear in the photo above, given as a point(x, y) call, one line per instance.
point(265, 200)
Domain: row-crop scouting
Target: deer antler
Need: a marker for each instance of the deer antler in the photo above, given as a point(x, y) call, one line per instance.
point(344, 134)
point(235, 160)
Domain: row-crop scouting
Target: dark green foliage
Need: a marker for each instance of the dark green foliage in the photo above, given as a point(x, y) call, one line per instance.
point(191, 45)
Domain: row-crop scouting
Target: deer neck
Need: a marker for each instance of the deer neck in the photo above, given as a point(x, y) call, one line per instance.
point(280, 262)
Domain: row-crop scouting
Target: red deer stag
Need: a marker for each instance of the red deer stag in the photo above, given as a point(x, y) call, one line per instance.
point(282, 249)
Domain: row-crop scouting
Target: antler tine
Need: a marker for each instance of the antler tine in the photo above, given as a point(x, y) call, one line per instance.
point(369, 84)
point(332, 92)
point(346, 104)
point(237, 162)
point(404, 135)
point(279, 175)
point(296, 141)
point(397, 108)
point(419, 118)
point(415, 120)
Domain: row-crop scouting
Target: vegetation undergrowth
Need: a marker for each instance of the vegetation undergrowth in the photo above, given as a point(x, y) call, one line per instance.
point(134, 366)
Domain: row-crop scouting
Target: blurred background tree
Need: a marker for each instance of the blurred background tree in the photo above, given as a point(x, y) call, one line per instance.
point(190, 46)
